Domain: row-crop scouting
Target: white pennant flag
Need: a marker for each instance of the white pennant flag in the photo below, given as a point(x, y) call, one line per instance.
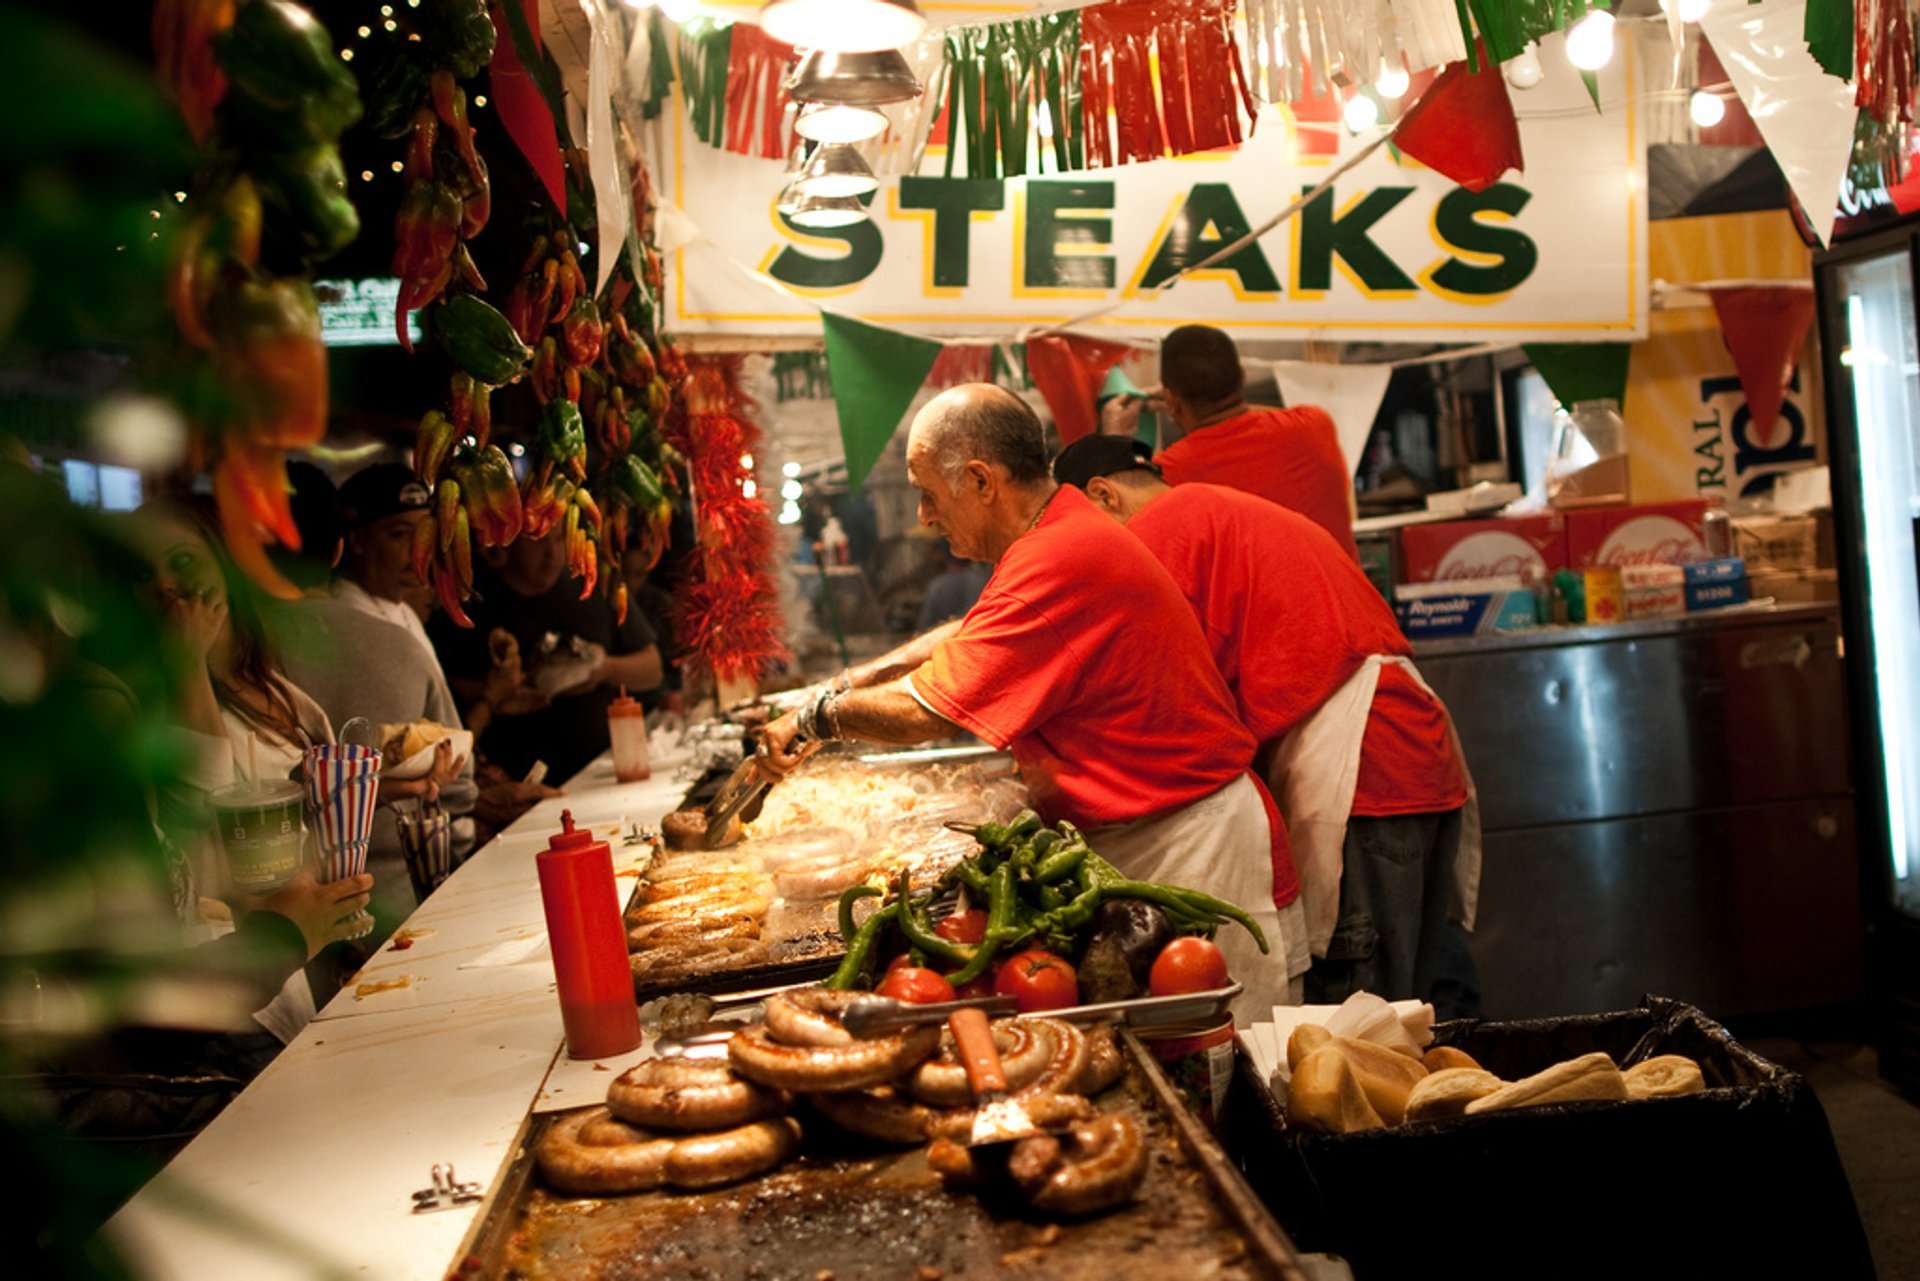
point(612, 197)
point(1805, 115)
point(1350, 394)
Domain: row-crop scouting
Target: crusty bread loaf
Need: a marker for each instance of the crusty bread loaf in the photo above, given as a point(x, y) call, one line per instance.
point(1448, 1091)
point(1326, 1095)
point(1305, 1039)
point(1664, 1077)
point(1386, 1076)
point(402, 741)
point(1587, 1078)
point(1441, 1057)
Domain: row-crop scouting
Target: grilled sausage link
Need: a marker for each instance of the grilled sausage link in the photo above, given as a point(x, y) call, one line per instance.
point(690, 1094)
point(1096, 1166)
point(822, 1069)
point(1026, 1047)
point(883, 1114)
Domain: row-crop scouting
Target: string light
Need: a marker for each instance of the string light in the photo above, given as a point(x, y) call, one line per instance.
point(790, 470)
point(1707, 109)
point(1694, 10)
point(366, 175)
point(1393, 81)
point(365, 32)
point(391, 25)
point(1590, 41)
point(479, 99)
point(397, 166)
point(346, 55)
point(180, 197)
point(1361, 112)
point(1524, 71)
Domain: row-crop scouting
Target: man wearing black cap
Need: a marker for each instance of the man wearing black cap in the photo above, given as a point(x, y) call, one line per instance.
point(380, 507)
point(1358, 751)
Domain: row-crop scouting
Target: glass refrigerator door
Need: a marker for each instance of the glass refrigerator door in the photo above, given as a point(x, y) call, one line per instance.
point(1882, 361)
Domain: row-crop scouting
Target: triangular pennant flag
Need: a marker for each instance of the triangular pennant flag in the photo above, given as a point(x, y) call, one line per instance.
point(1764, 326)
point(876, 373)
point(1577, 371)
point(1804, 115)
point(517, 99)
point(1118, 384)
point(1351, 395)
point(1463, 127)
point(1068, 370)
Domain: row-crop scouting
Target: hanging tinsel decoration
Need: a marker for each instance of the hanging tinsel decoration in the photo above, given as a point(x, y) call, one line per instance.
point(1000, 79)
point(1309, 42)
point(728, 611)
point(1203, 94)
point(733, 77)
point(1883, 60)
point(706, 46)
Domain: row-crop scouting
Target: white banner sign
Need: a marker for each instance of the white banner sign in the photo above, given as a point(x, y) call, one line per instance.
point(1394, 252)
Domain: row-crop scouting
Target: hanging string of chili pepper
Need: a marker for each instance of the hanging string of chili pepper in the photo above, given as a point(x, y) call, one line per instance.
point(728, 611)
point(264, 91)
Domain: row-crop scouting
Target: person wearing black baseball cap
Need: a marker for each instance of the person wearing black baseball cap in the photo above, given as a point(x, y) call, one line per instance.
point(1356, 748)
point(380, 508)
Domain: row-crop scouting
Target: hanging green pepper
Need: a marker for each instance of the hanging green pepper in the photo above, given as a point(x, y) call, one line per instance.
point(458, 34)
point(307, 192)
point(282, 66)
point(920, 933)
point(480, 341)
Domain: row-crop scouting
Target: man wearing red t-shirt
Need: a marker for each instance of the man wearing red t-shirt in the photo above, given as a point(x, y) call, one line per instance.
point(1082, 657)
point(1287, 456)
point(1363, 755)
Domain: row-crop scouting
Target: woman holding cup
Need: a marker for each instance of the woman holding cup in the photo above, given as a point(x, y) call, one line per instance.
point(245, 728)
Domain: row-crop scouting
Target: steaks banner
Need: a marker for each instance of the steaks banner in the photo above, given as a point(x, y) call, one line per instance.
point(1393, 252)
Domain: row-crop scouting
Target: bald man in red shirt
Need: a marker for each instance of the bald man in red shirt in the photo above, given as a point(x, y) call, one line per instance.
point(1287, 456)
point(1363, 758)
point(1082, 657)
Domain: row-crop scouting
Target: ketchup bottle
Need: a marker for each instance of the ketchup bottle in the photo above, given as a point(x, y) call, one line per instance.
point(589, 946)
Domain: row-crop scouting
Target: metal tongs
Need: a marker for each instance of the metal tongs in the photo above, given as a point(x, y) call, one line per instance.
point(873, 1016)
point(446, 1192)
point(746, 785)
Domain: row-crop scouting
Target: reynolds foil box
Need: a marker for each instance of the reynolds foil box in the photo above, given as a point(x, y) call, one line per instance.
point(1521, 547)
point(1647, 534)
point(1468, 607)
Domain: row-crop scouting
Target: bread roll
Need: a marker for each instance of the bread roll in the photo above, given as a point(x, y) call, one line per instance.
point(1448, 1091)
point(1326, 1095)
point(1587, 1078)
point(1386, 1076)
point(1665, 1077)
point(403, 741)
point(1442, 1057)
point(1305, 1039)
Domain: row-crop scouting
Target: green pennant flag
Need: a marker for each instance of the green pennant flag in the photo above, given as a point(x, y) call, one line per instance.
point(875, 374)
point(1829, 35)
point(1577, 371)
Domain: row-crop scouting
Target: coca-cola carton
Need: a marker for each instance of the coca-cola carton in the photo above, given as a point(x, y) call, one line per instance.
point(1530, 548)
point(1643, 534)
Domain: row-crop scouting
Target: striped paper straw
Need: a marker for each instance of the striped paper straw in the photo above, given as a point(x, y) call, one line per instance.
point(343, 785)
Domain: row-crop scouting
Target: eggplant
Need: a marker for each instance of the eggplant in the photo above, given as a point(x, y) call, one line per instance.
point(1138, 928)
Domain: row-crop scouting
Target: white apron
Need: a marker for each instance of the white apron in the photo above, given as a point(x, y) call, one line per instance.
point(1315, 770)
point(1220, 845)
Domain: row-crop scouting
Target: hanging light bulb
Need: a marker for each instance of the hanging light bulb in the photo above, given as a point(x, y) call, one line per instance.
point(1393, 80)
point(852, 26)
point(1361, 112)
point(836, 170)
point(827, 211)
point(1694, 10)
point(678, 11)
point(838, 122)
point(1524, 70)
point(1707, 109)
point(1590, 41)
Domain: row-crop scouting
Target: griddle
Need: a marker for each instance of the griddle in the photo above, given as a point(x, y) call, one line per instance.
point(850, 1211)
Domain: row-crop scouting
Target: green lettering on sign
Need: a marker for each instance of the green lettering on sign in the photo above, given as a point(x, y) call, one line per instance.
point(1456, 221)
point(804, 271)
point(1325, 236)
point(1210, 206)
point(953, 201)
point(1049, 228)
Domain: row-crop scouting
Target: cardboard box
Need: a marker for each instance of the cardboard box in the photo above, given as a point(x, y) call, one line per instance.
point(1777, 542)
point(1459, 549)
point(1796, 586)
point(1715, 584)
point(1653, 591)
point(1644, 534)
point(1429, 611)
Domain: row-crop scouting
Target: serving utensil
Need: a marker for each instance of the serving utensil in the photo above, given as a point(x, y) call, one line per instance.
point(878, 1015)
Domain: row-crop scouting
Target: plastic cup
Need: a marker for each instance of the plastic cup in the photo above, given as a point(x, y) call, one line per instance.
point(627, 727)
point(261, 830)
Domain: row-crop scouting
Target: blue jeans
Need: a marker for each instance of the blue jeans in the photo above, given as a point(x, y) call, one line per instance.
point(1397, 935)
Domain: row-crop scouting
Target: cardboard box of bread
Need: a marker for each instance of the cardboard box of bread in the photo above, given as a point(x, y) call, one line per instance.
point(1527, 1148)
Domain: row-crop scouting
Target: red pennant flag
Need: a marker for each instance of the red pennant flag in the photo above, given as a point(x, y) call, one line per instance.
point(1068, 370)
point(1764, 327)
point(522, 110)
point(1463, 127)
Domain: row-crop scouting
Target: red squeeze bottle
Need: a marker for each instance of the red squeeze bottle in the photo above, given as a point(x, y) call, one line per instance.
point(589, 946)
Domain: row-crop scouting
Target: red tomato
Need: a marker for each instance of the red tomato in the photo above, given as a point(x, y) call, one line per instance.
point(1189, 964)
point(980, 985)
point(900, 960)
point(911, 983)
point(969, 926)
point(1038, 981)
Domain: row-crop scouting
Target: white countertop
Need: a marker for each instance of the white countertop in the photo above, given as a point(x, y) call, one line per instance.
point(436, 1054)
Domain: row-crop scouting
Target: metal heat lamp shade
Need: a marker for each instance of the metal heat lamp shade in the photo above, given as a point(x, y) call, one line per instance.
point(836, 170)
point(788, 200)
point(827, 211)
point(854, 79)
point(851, 26)
point(833, 122)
